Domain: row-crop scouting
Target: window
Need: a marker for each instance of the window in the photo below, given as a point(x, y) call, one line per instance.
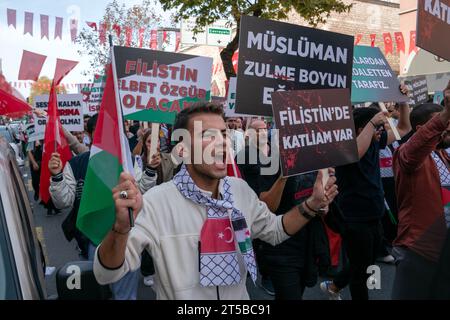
point(9, 281)
point(26, 223)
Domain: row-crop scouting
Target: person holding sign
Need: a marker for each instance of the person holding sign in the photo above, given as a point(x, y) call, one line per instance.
point(199, 222)
point(292, 264)
point(362, 199)
point(422, 177)
point(152, 170)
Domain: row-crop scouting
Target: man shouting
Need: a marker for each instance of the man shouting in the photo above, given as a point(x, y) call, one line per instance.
point(198, 227)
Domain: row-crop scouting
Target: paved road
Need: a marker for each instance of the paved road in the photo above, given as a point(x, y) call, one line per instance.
point(59, 251)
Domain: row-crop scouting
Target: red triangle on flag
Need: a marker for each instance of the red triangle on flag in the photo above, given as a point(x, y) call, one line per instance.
point(107, 131)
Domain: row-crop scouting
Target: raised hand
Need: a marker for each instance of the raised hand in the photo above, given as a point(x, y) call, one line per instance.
point(127, 186)
point(55, 164)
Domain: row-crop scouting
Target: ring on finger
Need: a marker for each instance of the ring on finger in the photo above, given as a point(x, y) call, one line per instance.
point(123, 194)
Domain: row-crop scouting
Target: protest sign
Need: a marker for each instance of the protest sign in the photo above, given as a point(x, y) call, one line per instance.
point(316, 129)
point(31, 133)
point(92, 95)
point(229, 107)
point(433, 27)
point(155, 85)
point(281, 56)
point(373, 79)
point(418, 90)
point(70, 109)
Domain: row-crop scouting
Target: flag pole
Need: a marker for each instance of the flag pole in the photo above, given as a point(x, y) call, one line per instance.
point(121, 126)
point(56, 124)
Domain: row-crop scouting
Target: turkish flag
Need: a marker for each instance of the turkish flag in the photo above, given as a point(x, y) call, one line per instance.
point(31, 65)
point(178, 40)
point(11, 13)
point(373, 36)
point(5, 85)
point(141, 37)
point(388, 48)
point(400, 42)
point(128, 36)
point(153, 40)
point(92, 25)
point(63, 67)
point(116, 28)
point(28, 24)
point(102, 33)
point(358, 38)
point(234, 60)
point(11, 106)
point(54, 141)
point(412, 42)
point(73, 29)
point(44, 26)
point(58, 27)
point(217, 236)
point(233, 170)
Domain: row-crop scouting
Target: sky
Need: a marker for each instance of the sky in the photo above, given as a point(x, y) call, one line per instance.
point(13, 41)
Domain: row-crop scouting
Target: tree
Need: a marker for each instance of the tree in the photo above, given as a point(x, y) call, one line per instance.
point(42, 86)
point(138, 16)
point(207, 12)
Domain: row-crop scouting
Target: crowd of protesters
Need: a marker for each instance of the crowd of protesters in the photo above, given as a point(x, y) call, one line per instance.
point(389, 207)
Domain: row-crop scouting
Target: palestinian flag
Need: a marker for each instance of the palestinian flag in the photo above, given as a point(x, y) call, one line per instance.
point(110, 155)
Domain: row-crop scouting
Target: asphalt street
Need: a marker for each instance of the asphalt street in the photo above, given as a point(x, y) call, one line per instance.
point(58, 251)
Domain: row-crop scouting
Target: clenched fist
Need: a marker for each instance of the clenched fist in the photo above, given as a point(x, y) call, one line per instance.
point(55, 164)
point(133, 201)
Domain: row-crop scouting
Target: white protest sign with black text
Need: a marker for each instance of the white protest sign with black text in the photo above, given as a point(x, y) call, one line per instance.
point(70, 109)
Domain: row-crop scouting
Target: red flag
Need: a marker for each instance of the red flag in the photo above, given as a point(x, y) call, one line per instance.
point(164, 37)
point(412, 42)
point(358, 38)
point(11, 13)
point(177, 42)
point(116, 28)
point(128, 36)
point(11, 106)
point(233, 170)
point(141, 37)
point(373, 36)
point(387, 43)
point(58, 27)
point(73, 29)
point(28, 23)
point(153, 40)
point(234, 60)
point(54, 141)
point(31, 65)
point(5, 85)
point(400, 42)
point(102, 33)
point(217, 236)
point(63, 67)
point(92, 25)
point(44, 26)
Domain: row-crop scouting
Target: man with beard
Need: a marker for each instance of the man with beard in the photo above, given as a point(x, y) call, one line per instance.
point(422, 177)
point(198, 227)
